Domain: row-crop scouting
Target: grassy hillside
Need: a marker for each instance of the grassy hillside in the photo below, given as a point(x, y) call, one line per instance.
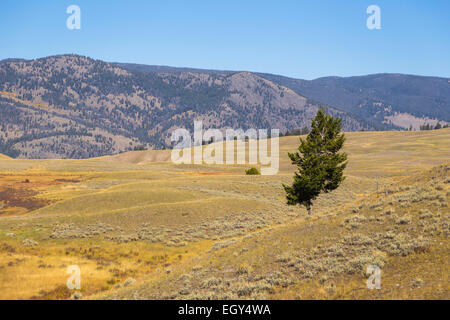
point(325, 257)
point(210, 231)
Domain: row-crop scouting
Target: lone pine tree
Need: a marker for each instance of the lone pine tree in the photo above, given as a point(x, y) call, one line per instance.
point(320, 164)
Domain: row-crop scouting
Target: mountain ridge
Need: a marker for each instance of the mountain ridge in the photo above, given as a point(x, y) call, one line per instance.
point(398, 112)
point(71, 106)
point(399, 99)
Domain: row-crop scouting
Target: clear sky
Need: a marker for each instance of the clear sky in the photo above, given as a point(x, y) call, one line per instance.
point(302, 39)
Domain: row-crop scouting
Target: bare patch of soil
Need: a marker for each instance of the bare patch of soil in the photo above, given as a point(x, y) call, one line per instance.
point(23, 198)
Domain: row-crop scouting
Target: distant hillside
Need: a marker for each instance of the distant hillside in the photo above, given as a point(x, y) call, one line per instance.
point(71, 106)
point(383, 99)
point(403, 100)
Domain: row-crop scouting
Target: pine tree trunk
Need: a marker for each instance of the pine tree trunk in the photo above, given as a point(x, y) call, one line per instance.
point(310, 209)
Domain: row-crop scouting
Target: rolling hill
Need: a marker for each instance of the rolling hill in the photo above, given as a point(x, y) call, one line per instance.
point(141, 227)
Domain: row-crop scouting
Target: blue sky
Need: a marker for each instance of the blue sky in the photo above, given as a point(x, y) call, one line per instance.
point(302, 39)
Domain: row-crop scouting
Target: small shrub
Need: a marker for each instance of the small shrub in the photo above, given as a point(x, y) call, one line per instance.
point(425, 214)
point(211, 282)
point(184, 292)
point(252, 172)
point(29, 243)
point(129, 282)
point(242, 270)
point(354, 209)
point(403, 220)
point(354, 225)
point(285, 257)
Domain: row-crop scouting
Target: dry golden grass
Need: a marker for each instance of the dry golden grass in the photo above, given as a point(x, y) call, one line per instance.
point(219, 231)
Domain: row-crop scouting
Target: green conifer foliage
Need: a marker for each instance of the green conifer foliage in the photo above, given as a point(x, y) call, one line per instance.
point(319, 162)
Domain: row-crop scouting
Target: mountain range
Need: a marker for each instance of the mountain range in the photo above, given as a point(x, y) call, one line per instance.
point(71, 106)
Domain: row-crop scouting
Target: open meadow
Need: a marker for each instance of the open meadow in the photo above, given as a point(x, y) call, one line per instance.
point(141, 227)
